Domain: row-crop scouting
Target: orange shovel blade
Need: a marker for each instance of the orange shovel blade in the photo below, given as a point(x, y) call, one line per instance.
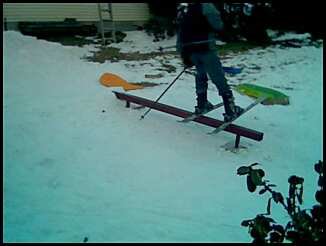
point(112, 80)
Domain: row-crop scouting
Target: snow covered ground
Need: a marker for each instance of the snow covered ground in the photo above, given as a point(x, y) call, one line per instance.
point(78, 164)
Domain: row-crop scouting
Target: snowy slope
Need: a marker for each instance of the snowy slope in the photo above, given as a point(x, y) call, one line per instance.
point(78, 164)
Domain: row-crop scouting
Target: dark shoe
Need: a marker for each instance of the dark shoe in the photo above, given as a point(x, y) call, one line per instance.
point(202, 103)
point(231, 110)
point(237, 110)
point(205, 108)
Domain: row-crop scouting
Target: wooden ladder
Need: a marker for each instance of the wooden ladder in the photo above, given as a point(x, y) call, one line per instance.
point(104, 23)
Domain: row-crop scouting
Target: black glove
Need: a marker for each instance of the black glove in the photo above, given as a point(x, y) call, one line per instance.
point(186, 60)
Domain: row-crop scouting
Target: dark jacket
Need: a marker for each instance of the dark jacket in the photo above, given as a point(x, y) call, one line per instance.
point(197, 26)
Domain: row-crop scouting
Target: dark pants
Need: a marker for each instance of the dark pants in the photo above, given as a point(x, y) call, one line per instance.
point(207, 62)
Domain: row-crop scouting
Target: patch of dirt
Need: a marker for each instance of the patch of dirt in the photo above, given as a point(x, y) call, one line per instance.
point(254, 67)
point(148, 84)
point(235, 47)
point(114, 55)
point(154, 76)
point(168, 68)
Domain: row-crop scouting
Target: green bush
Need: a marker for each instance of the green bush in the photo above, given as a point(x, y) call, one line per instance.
point(162, 22)
point(306, 225)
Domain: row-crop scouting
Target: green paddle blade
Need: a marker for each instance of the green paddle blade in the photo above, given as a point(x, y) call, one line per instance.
point(255, 91)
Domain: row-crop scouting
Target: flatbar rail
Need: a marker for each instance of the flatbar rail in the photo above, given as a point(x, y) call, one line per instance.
point(232, 128)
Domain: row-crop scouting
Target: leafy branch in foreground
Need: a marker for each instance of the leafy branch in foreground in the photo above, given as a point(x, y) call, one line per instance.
point(306, 225)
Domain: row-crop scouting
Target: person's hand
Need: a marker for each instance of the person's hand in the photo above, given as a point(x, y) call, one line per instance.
point(186, 60)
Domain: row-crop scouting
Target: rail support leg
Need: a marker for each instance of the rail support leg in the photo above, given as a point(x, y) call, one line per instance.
point(237, 141)
point(127, 104)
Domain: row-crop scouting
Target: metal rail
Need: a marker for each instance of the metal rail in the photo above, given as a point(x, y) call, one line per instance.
point(232, 128)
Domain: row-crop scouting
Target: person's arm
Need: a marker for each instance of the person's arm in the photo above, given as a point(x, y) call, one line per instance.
point(213, 17)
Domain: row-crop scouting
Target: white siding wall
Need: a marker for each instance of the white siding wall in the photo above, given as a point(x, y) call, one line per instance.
point(38, 12)
point(130, 11)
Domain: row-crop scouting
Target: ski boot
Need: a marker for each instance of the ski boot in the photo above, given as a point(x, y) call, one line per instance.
point(203, 104)
point(231, 110)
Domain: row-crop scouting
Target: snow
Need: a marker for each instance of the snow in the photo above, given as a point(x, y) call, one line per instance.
point(78, 164)
point(292, 35)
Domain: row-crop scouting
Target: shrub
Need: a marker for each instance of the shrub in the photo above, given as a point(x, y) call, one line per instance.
point(306, 225)
point(162, 22)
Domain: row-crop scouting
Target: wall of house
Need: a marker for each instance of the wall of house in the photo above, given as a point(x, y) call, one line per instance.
point(130, 11)
point(88, 12)
point(44, 12)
